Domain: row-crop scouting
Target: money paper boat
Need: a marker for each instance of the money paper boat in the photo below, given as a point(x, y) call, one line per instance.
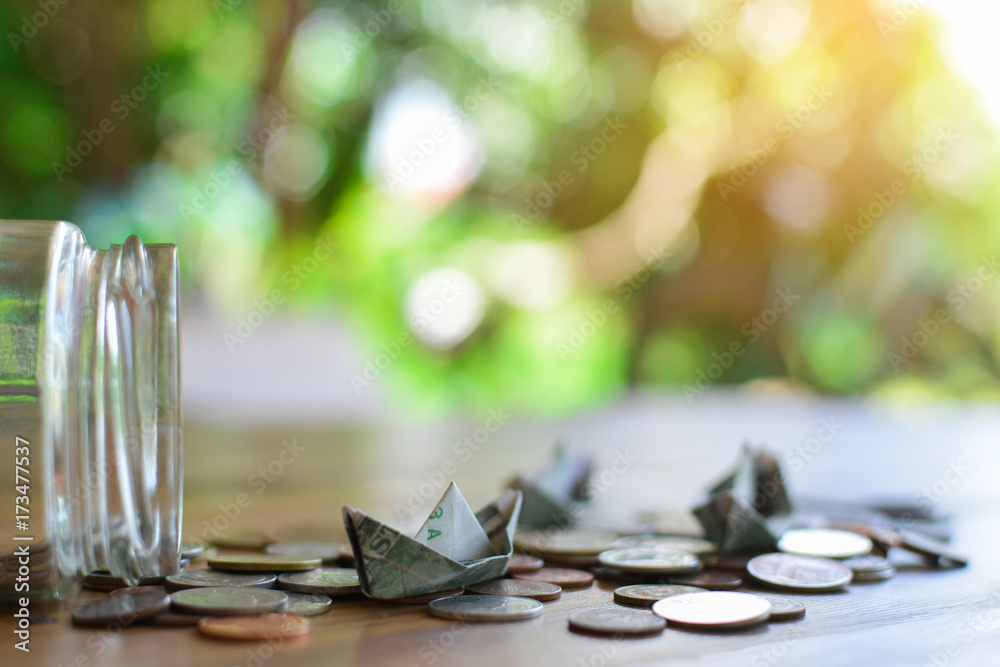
point(550, 493)
point(453, 548)
point(748, 510)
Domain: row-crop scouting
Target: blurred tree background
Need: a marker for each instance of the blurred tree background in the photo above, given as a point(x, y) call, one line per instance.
point(540, 202)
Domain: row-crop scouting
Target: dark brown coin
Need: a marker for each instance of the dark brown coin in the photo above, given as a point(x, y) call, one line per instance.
point(571, 561)
point(253, 628)
point(536, 590)
point(426, 598)
point(566, 578)
point(162, 590)
point(617, 622)
point(623, 578)
point(173, 619)
point(520, 563)
point(123, 610)
point(710, 581)
point(102, 580)
point(729, 562)
point(204, 578)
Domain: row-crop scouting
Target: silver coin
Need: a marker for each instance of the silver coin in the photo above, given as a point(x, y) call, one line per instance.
point(714, 610)
point(328, 552)
point(122, 610)
point(866, 564)
point(824, 543)
point(536, 590)
point(206, 578)
point(617, 622)
point(485, 608)
point(801, 573)
point(644, 595)
point(880, 575)
point(566, 542)
point(692, 545)
point(783, 608)
point(307, 604)
point(652, 561)
point(326, 581)
point(228, 601)
point(191, 550)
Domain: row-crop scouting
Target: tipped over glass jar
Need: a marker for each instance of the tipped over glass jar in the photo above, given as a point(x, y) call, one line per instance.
point(90, 416)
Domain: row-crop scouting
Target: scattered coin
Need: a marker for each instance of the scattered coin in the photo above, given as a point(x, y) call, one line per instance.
point(172, 619)
point(264, 563)
point(692, 545)
point(566, 578)
point(102, 580)
point(123, 610)
point(934, 552)
point(536, 590)
point(867, 564)
point(485, 608)
point(326, 581)
point(714, 610)
point(192, 550)
point(824, 543)
point(520, 563)
point(653, 561)
point(201, 578)
point(307, 604)
point(328, 552)
point(880, 575)
point(711, 581)
point(644, 595)
point(729, 562)
point(623, 578)
point(242, 539)
point(617, 622)
point(426, 598)
point(801, 573)
point(783, 608)
point(566, 542)
point(265, 626)
point(140, 589)
point(571, 561)
point(228, 601)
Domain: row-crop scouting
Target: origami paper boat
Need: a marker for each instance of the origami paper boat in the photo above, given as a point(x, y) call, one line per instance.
point(550, 493)
point(453, 548)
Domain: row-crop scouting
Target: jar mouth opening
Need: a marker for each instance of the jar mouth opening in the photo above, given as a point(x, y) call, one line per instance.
point(115, 409)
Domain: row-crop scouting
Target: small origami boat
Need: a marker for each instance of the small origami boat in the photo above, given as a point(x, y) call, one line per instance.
point(550, 494)
point(453, 548)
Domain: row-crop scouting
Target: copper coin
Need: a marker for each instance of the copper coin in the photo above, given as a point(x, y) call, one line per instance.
point(141, 589)
point(710, 581)
point(560, 576)
point(542, 591)
point(571, 561)
point(123, 610)
point(426, 598)
point(264, 626)
point(173, 619)
point(617, 621)
point(729, 562)
point(520, 563)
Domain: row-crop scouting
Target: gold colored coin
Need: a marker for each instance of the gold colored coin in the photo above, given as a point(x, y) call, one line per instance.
point(264, 563)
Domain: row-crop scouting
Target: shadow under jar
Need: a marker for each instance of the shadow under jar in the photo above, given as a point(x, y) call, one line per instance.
point(90, 417)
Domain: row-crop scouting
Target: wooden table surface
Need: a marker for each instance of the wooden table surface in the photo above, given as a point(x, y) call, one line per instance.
point(668, 451)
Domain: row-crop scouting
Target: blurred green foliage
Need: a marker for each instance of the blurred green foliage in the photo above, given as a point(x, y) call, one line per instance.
point(593, 194)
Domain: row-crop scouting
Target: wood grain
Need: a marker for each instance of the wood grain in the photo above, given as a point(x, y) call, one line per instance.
point(668, 452)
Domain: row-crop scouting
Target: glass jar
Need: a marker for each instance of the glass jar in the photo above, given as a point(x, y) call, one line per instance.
point(90, 417)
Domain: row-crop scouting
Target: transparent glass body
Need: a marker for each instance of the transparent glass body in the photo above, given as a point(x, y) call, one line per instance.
point(90, 417)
